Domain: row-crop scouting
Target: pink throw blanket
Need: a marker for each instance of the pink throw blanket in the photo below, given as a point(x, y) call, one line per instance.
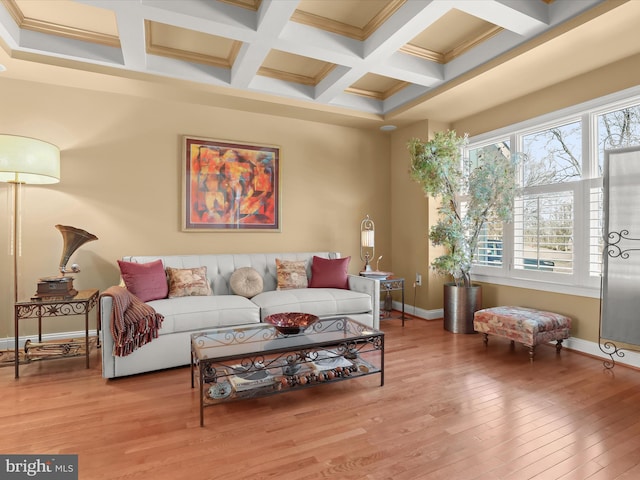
point(133, 322)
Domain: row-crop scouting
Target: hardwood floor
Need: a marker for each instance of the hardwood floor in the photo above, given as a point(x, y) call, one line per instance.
point(450, 409)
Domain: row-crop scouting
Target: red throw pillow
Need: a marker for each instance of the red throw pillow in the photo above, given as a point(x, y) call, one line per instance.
point(147, 281)
point(329, 273)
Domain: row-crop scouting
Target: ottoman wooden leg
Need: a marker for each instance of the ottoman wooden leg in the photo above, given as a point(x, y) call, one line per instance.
point(512, 345)
point(532, 352)
point(558, 346)
point(485, 339)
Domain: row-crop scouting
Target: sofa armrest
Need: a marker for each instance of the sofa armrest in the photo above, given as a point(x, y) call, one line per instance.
point(371, 287)
point(106, 340)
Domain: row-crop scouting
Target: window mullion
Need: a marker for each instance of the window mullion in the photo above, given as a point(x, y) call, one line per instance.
point(507, 247)
point(581, 232)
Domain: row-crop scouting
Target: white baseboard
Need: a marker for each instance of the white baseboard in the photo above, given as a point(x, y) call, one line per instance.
point(625, 357)
point(419, 312)
point(8, 343)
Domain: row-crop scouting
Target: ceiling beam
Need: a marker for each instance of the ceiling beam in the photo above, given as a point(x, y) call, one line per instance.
point(273, 17)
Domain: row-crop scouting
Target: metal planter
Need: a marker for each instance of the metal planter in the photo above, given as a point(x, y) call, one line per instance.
point(460, 303)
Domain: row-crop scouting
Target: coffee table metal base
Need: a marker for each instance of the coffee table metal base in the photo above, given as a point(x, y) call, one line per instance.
point(248, 362)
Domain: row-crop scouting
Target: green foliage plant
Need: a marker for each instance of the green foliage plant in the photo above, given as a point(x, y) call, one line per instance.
point(488, 190)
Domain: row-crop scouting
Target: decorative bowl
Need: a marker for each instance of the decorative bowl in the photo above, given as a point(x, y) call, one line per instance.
point(292, 322)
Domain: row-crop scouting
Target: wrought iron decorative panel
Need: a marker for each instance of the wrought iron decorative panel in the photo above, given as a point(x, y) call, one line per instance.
point(620, 315)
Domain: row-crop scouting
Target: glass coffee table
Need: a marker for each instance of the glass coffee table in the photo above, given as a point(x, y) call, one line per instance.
point(233, 363)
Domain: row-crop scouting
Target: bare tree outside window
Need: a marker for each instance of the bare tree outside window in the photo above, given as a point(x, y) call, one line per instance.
point(618, 129)
point(553, 155)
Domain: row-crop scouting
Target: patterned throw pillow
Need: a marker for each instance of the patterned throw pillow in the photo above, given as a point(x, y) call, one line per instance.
point(291, 274)
point(246, 282)
point(185, 282)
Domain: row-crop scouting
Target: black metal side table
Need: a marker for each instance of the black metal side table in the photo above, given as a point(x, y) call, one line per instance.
point(81, 304)
point(389, 285)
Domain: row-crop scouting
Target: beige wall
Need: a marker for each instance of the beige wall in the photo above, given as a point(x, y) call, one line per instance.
point(412, 215)
point(597, 83)
point(121, 181)
point(412, 220)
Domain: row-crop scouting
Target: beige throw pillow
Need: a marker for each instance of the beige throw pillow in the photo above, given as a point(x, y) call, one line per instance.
point(246, 282)
point(291, 274)
point(185, 282)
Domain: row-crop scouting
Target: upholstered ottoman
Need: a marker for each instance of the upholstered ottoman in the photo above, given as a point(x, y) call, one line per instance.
point(524, 325)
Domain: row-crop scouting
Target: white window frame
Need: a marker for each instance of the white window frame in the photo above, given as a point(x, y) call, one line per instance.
point(580, 282)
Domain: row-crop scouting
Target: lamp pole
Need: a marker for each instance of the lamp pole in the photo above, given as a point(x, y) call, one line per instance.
point(15, 237)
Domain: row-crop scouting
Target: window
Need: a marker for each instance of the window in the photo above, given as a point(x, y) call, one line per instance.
point(543, 216)
point(543, 232)
point(619, 128)
point(555, 239)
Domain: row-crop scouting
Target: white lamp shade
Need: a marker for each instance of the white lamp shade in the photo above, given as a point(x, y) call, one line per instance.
point(27, 160)
point(367, 238)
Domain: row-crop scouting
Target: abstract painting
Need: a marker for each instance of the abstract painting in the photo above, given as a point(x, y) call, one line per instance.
point(230, 186)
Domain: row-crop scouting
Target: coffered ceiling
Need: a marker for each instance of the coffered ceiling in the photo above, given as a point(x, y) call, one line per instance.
point(371, 57)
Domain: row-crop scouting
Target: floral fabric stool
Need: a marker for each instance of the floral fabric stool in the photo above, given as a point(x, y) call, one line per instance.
point(524, 325)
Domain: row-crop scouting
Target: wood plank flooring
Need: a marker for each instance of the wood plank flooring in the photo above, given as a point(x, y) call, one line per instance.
point(450, 409)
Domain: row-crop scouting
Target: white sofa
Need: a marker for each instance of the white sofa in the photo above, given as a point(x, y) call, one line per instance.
point(186, 315)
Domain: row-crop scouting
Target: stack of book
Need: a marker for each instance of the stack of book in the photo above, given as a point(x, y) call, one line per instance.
point(376, 274)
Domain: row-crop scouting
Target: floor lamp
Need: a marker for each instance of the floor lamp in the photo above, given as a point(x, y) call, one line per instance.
point(25, 160)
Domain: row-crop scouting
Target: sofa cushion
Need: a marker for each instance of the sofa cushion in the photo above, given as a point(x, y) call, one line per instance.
point(147, 281)
point(329, 273)
point(186, 282)
point(199, 313)
point(323, 302)
point(246, 281)
point(291, 274)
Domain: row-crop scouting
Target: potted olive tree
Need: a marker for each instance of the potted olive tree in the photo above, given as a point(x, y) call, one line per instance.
point(470, 197)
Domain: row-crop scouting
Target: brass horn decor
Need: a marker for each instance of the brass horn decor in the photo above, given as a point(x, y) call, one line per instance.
point(73, 238)
point(61, 287)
